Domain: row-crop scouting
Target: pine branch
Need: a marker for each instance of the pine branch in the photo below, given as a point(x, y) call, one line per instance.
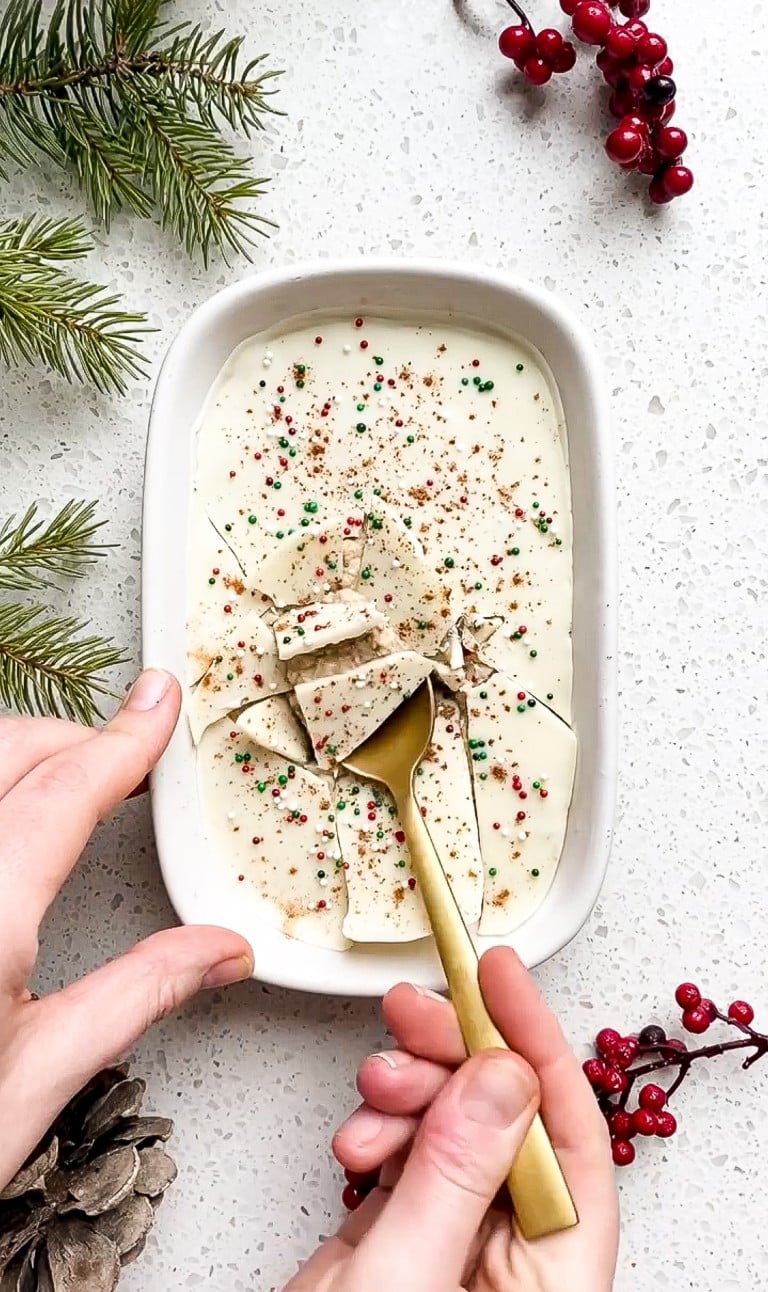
point(34, 555)
point(47, 668)
point(73, 326)
point(139, 123)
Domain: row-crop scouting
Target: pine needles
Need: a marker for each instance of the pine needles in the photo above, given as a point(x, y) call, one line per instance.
point(46, 665)
point(136, 106)
point(75, 327)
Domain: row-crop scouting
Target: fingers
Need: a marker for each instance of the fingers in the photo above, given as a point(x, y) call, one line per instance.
point(368, 1138)
point(424, 1023)
point(396, 1082)
point(48, 817)
point(64, 1039)
point(25, 742)
point(462, 1153)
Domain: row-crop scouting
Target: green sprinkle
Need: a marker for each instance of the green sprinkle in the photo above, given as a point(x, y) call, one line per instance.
point(449, 562)
point(520, 367)
point(286, 640)
point(536, 785)
point(282, 780)
point(401, 865)
point(550, 695)
point(533, 653)
point(544, 528)
point(358, 494)
point(355, 789)
point(558, 542)
point(339, 865)
point(238, 758)
point(262, 785)
point(228, 528)
point(378, 360)
point(366, 573)
point(291, 768)
point(477, 381)
point(282, 399)
point(252, 519)
point(246, 758)
point(321, 874)
point(410, 439)
point(473, 744)
point(283, 443)
point(478, 586)
point(340, 806)
point(535, 873)
point(514, 551)
point(377, 385)
point(531, 704)
point(536, 506)
point(521, 708)
point(332, 749)
point(360, 427)
point(277, 485)
point(311, 507)
point(465, 381)
point(483, 776)
point(493, 872)
point(300, 632)
point(300, 369)
point(211, 580)
point(356, 812)
point(305, 521)
point(230, 677)
point(419, 771)
point(331, 565)
point(407, 521)
point(280, 534)
point(361, 408)
point(378, 491)
point(483, 695)
point(299, 384)
point(379, 834)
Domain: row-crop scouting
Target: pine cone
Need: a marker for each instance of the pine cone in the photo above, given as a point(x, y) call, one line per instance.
point(82, 1205)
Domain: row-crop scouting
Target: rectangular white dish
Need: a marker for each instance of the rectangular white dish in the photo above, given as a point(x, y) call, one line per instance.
point(199, 892)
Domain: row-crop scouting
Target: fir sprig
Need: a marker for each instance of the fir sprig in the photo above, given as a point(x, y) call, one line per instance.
point(76, 327)
point(48, 667)
point(135, 106)
point(35, 555)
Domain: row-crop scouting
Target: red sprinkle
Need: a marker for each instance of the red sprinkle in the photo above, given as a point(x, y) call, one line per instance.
point(399, 835)
point(412, 883)
point(495, 560)
point(363, 345)
point(227, 610)
point(256, 839)
point(475, 363)
point(257, 457)
point(521, 816)
point(371, 816)
point(276, 793)
point(216, 570)
point(318, 340)
point(387, 597)
point(232, 475)
point(258, 679)
point(321, 905)
point(359, 322)
point(520, 696)
point(303, 818)
point(497, 825)
point(543, 794)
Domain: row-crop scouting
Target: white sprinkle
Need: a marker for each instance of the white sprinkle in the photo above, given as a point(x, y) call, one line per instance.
point(505, 833)
point(269, 354)
point(383, 403)
point(394, 686)
point(522, 836)
point(347, 349)
point(273, 686)
point(240, 654)
point(319, 828)
point(368, 704)
point(294, 805)
point(336, 856)
point(395, 563)
point(460, 446)
point(231, 814)
point(323, 883)
point(310, 906)
point(544, 776)
point(266, 363)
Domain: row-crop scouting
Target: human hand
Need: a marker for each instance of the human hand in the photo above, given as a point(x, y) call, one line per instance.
point(444, 1131)
point(57, 781)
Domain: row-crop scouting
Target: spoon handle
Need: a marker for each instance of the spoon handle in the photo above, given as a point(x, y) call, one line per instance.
point(537, 1187)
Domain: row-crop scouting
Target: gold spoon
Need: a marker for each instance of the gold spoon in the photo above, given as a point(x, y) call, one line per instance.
point(539, 1193)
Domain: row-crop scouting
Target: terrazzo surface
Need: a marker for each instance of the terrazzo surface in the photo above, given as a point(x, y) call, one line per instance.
point(405, 136)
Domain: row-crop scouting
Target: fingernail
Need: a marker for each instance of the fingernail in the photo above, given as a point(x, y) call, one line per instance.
point(500, 1089)
point(365, 1126)
point(148, 690)
point(432, 995)
point(229, 971)
point(393, 1060)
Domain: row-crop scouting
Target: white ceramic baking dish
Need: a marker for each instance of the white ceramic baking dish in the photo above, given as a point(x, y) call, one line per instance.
point(201, 891)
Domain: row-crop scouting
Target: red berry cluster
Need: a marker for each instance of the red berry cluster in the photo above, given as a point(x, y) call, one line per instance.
point(635, 63)
point(623, 1061)
point(357, 1188)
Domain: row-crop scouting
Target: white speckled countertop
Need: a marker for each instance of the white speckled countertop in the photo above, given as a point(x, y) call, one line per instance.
point(406, 136)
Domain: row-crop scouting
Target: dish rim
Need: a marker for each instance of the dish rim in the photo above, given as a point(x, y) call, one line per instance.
point(295, 969)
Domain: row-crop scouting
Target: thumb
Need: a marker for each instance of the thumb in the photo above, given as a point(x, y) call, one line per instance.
point(68, 1037)
point(465, 1146)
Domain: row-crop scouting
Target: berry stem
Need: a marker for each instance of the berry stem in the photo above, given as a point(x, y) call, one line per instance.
point(522, 15)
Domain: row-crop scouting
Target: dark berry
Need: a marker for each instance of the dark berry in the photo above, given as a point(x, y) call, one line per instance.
point(707, 1007)
point(625, 1052)
point(741, 1012)
point(666, 1125)
point(594, 1071)
point(569, 6)
point(687, 995)
point(613, 1082)
point(670, 143)
point(652, 49)
point(694, 1020)
point(677, 181)
point(517, 43)
point(652, 1035)
point(659, 91)
point(652, 1098)
point(623, 1152)
point(537, 70)
point(644, 1122)
point(566, 59)
point(674, 1043)
point(620, 44)
point(351, 1197)
point(549, 43)
point(591, 22)
point(634, 8)
point(624, 145)
point(621, 1125)
point(606, 1041)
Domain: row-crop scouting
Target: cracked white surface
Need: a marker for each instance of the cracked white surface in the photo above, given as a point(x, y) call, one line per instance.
point(406, 135)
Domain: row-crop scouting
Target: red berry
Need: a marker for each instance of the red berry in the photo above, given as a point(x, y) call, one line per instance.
point(741, 1012)
point(649, 163)
point(537, 70)
point(623, 1152)
point(517, 42)
point(606, 1041)
point(652, 1098)
point(670, 142)
point(688, 995)
point(614, 1082)
point(634, 122)
point(569, 6)
point(674, 1043)
point(549, 43)
point(621, 1125)
point(665, 68)
point(621, 102)
point(634, 8)
point(652, 49)
point(591, 22)
point(624, 145)
point(594, 1071)
point(694, 1020)
point(639, 77)
point(666, 1125)
point(678, 180)
point(644, 1122)
point(625, 1052)
point(566, 59)
point(620, 44)
point(351, 1198)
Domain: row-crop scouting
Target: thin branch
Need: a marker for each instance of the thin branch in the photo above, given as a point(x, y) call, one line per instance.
point(47, 667)
point(34, 555)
